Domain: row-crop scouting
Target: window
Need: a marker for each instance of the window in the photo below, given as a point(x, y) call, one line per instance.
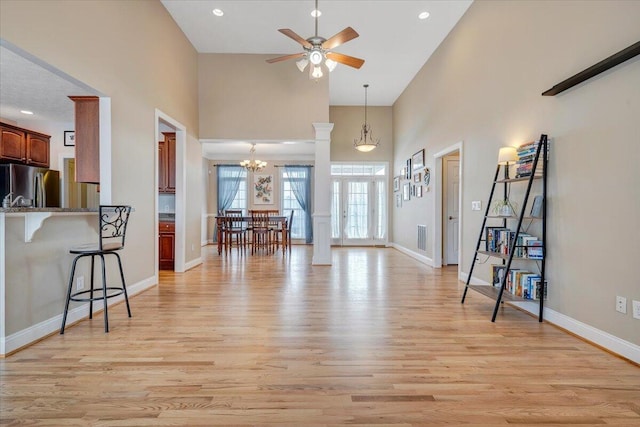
point(298, 177)
point(232, 188)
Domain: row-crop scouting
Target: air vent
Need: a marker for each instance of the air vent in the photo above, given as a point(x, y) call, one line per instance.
point(422, 237)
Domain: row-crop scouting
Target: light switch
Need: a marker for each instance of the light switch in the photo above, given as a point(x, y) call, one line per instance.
point(476, 205)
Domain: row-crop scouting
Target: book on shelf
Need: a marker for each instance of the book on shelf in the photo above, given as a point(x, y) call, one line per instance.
point(490, 238)
point(536, 206)
point(498, 272)
point(535, 250)
point(536, 290)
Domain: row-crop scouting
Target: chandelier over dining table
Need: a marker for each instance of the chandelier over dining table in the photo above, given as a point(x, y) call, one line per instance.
point(253, 165)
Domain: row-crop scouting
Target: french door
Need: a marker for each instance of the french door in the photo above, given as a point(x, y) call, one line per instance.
point(358, 211)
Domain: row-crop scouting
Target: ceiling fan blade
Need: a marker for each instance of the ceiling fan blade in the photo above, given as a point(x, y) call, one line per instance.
point(291, 34)
point(351, 61)
point(284, 58)
point(340, 38)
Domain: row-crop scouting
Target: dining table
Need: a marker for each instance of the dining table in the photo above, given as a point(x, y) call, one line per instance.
point(280, 221)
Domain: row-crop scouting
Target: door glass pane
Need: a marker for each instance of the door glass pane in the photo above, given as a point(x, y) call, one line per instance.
point(357, 224)
point(381, 220)
point(335, 210)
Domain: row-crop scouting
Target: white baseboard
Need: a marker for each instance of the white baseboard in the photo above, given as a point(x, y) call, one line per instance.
point(474, 280)
point(589, 333)
point(40, 330)
point(193, 263)
point(422, 258)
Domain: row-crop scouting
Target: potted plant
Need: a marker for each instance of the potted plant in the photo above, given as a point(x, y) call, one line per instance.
point(505, 208)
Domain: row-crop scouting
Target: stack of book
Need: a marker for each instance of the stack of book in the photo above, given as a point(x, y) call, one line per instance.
point(526, 156)
point(520, 283)
point(500, 240)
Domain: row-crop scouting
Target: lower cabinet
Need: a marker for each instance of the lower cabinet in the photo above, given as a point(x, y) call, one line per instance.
point(166, 245)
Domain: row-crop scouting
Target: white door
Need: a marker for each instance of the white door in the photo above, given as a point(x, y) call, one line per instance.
point(357, 211)
point(452, 211)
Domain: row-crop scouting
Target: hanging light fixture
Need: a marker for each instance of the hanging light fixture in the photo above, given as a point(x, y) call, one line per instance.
point(366, 142)
point(253, 165)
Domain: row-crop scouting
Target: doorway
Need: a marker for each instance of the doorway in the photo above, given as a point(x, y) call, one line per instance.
point(451, 208)
point(358, 205)
point(448, 212)
point(177, 202)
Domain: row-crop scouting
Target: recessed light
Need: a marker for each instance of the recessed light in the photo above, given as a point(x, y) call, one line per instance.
point(218, 12)
point(316, 13)
point(29, 113)
point(423, 15)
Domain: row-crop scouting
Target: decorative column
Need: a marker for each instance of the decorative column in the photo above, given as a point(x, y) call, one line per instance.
point(321, 195)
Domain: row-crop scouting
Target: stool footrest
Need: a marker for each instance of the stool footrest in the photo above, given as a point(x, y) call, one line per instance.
point(74, 296)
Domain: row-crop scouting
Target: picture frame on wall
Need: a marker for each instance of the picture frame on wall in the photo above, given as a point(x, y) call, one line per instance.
point(417, 177)
point(262, 189)
point(398, 200)
point(407, 174)
point(419, 191)
point(396, 184)
point(406, 192)
point(69, 138)
point(417, 160)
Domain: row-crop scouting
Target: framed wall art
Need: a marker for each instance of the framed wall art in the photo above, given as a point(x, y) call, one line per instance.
point(396, 184)
point(417, 177)
point(407, 174)
point(69, 138)
point(262, 189)
point(417, 160)
point(406, 191)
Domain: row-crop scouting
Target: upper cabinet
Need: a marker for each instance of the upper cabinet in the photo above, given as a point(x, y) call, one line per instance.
point(167, 163)
point(87, 128)
point(18, 145)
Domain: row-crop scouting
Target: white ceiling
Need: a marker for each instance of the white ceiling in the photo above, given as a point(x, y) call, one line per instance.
point(28, 84)
point(394, 43)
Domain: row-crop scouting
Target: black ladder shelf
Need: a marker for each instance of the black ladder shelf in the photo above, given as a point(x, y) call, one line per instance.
point(507, 259)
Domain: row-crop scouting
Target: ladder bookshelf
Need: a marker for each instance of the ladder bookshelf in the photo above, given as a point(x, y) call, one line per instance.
point(508, 243)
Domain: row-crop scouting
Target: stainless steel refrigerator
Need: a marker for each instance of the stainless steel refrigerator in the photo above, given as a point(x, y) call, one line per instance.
point(39, 187)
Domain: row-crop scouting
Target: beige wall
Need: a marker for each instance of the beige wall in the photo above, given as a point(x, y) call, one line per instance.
point(134, 53)
point(243, 97)
point(483, 86)
point(347, 126)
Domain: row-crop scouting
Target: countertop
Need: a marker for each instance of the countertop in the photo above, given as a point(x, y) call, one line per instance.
point(27, 210)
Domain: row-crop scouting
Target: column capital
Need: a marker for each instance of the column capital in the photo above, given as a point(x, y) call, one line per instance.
point(323, 131)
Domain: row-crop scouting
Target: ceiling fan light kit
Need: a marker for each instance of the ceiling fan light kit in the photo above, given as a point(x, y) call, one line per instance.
point(318, 50)
point(366, 142)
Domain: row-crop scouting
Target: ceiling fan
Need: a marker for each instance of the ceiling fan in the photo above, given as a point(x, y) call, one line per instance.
point(318, 49)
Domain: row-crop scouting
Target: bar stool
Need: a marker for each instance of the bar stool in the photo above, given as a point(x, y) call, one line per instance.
point(112, 221)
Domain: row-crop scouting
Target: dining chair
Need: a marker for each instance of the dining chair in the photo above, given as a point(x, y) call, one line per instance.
point(261, 231)
point(283, 228)
point(235, 225)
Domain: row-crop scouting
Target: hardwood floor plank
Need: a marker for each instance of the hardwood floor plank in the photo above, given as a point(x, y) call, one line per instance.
point(376, 339)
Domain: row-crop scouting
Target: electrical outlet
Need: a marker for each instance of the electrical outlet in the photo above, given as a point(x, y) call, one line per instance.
point(476, 205)
point(636, 309)
point(621, 304)
point(80, 283)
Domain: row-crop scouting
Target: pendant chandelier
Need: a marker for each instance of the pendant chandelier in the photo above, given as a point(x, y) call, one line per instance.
point(253, 165)
point(366, 142)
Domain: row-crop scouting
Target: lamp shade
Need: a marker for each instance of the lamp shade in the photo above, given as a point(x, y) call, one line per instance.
point(507, 155)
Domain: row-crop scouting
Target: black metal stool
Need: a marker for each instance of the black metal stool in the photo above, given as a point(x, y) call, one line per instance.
point(113, 226)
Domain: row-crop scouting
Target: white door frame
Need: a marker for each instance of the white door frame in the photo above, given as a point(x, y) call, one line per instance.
point(181, 192)
point(437, 205)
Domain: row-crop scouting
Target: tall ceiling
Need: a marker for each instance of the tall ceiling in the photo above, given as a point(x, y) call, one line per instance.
point(394, 43)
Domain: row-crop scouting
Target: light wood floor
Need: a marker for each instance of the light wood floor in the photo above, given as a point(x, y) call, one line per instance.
point(378, 339)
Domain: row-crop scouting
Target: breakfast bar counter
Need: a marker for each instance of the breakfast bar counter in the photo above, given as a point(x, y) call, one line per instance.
point(34, 269)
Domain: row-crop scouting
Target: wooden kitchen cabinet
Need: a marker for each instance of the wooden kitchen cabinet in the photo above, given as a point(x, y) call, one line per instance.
point(166, 245)
point(167, 163)
point(18, 145)
point(87, 128)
